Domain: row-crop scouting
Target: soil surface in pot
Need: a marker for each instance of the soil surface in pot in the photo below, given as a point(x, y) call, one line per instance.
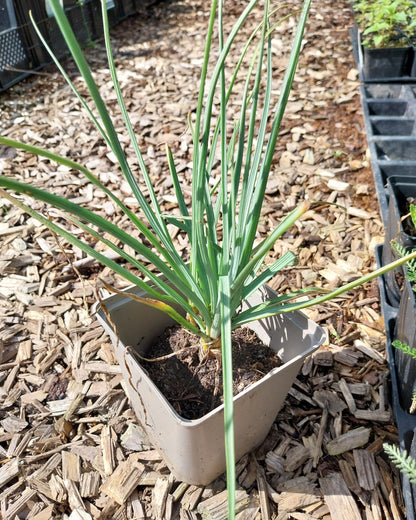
point(194, 386)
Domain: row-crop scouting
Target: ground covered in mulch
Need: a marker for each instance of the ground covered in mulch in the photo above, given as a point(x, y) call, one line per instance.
point(67, 434)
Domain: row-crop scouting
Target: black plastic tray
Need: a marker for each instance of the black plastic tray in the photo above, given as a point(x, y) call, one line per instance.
point(406, 422)
point(389, 111)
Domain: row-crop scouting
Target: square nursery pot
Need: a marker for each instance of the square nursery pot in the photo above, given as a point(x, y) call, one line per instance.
point(194, 449)
point(388, 63)
point(401, 190)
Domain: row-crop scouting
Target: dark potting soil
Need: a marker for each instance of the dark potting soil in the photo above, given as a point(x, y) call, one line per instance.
point(193, 386)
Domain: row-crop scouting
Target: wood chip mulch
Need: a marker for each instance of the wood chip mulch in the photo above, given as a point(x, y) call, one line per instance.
point(70, 446)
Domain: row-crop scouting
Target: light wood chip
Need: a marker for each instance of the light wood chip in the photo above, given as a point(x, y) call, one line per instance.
point(329, 400)
point(108, 447)
point(349, 476)
point(89, 484)
point(18, 505)
point(74, 497)
point(46, 469)
point(298, 495)
point(215, 508)
point(263, 495)
point(71, 466)
point(191, 497)
point(43, 487)
point(338, 498)
point(45, 514)
point(347, 357)
point(123, 480)
point(369, 351)
point(58, 488)
point(317, 451)
point(296, 456)
point(9, 471)
point(136, 507)
point(80, 514)
point(159, 497)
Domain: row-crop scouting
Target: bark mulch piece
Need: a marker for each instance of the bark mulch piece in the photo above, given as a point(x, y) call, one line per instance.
point(70, 445)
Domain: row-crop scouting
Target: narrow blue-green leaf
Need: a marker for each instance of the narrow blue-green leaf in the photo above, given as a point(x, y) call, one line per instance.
point(114, 143)
point(244, 317)
point(199, 254)
point(244, 245)
point(126, 119)
point(287, 259)
point(282, 102)
point(223, 195)
point(267, 244)
point(178, 191)
point(274, 306)
point(227, 367)
point(106, 226)
point(250, 225)
point(111, 264)
point(167, 288)
point(177, 262)
point(68, 80)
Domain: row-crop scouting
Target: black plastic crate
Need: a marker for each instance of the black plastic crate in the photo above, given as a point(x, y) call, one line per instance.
point(390, 120)
point(82, 22)
point(97, 19)
point(22, 50)
point(388, 107)
point(114, 12)
point(15, 60)
point(128, 7)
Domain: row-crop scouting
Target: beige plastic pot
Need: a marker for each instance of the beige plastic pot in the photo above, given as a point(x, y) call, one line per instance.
point(194, 449)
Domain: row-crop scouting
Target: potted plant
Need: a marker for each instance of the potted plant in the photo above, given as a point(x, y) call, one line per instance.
point(400, 233)
point(405, 333)
point(386, 30)
point(220, 286)
point(399, 284)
